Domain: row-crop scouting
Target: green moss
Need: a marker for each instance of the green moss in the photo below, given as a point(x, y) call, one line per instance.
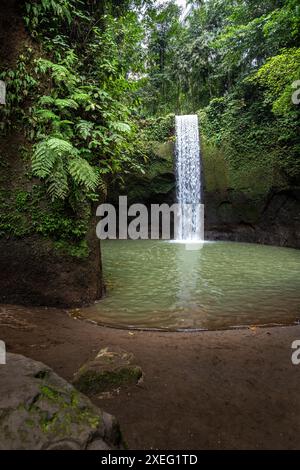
point(164, 150)
point(92, 382)
point(215, 168)
point(21, 200)
point(66, 412)
point(78, 250)
point(50, 393)
point(25, 213)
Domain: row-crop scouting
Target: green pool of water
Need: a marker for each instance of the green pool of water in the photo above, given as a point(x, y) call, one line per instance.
point(158, 284)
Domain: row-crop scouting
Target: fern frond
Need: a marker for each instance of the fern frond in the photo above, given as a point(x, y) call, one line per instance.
point(46, 115)
point(61, 146)
point(46, 99)
point(63, 103)
point(43, 160)
point(84, 128)
point(47, 153)
point(64, 122)
point(83, 173)
point(60, 73)
point(58, 187)
point(103, 186)
point(120, 126)
point(82, 98)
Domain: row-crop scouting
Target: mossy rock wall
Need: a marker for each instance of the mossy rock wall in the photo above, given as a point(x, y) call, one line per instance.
point(248, 204)
point(156, 182)
point(47, 256)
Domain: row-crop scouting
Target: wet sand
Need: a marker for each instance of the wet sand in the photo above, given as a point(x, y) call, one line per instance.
point(231, 389)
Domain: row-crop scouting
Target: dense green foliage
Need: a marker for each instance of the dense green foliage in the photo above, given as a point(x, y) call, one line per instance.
point(234, 63)
point(73, 93)
point(81, 99)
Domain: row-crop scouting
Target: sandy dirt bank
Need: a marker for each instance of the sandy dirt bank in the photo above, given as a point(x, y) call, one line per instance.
point(208, 390)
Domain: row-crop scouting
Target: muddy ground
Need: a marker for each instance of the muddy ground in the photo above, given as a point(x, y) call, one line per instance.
point(208, 390)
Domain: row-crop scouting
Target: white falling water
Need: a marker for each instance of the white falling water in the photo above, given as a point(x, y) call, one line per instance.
point(190, 224)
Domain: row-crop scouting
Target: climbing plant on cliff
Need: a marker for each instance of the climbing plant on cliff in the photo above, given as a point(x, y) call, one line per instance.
point(73, 92)
point(78, 111)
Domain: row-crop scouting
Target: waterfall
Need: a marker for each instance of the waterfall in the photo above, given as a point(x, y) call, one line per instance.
point(190, 223)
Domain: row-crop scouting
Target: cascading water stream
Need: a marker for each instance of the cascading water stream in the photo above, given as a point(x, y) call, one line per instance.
point(190, 225)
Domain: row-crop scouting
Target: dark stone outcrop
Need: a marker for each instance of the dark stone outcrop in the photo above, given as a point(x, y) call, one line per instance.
point(32, 273)
point(41, 411)
point(273, 219)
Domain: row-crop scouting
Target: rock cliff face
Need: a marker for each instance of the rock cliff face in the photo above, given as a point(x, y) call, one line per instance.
point(272, 219)
point(33, 273)
point(35, 267)
point(269, 217)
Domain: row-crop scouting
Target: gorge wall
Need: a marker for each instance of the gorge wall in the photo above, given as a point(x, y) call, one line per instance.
point(254, 214)
point(273, 219)
point(48, 254)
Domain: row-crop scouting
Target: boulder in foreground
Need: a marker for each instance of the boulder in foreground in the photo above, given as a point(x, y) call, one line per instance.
point(40, 410)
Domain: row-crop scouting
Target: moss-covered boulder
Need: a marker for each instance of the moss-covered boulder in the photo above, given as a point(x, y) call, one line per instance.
point(40, 410)
point(109, 370)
